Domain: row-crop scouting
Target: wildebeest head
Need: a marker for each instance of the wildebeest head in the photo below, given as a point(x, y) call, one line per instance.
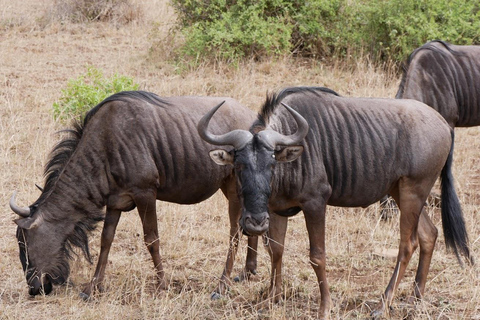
point(254, 158)
point(42, 249)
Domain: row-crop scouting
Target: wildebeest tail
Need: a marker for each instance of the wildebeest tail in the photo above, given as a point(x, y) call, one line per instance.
point(454, 230)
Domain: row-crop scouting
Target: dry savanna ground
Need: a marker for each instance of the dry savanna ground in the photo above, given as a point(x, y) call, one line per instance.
point(40, 53)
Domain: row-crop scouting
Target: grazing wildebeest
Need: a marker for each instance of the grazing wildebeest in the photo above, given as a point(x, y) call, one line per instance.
point(130, 150)
point(349, 152)
point(446, 77)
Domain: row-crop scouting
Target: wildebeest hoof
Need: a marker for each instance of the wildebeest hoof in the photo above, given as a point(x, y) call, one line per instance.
point(215, 295)
point(84, 296)
point(245, 275)
point(376, 314)
point(380, 313)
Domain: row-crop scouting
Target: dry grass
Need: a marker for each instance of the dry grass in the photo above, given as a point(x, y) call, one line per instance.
point(36, 63)
point(117, 12)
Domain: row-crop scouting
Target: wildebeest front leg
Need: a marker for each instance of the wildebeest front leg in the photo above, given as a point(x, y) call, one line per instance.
point(234, 212)
point(225, 281)
point(275, 241)
point(314, 212)
point(251, 260)
point(108, 233)
point(148, 215)
point(250, 265)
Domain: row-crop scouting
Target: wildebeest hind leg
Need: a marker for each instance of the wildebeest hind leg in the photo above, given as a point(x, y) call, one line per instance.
point(148, 215)
point(108, 233)
point(427, 236)
point(411, 205)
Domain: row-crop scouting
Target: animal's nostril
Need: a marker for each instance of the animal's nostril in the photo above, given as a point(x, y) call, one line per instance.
point(252, 221)
point(265, 221)
point(33, 291)
point(260, 220)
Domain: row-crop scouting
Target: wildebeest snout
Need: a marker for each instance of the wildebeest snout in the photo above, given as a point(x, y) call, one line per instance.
point(37, 287)
point(254, 224)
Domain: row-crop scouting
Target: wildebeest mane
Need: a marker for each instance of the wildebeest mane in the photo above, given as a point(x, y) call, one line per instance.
point(428, 46)
point(273, 100)
point(60, 156)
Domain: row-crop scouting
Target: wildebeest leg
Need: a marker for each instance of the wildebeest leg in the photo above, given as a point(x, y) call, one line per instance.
point(234, 212)
point(411, 205)
point(251, 260)
point(235, 234)
point(274, 241)
point(147, 211)
point(108, 233)
point(427, 236)
point(314, 212)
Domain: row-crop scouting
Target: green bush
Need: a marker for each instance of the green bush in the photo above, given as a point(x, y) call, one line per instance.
point(386, 30)
point(233, 29)
point(88, 90)
point(398, 27)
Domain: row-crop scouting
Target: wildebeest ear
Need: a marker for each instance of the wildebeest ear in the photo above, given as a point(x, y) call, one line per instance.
point(289, 153)
point(28, 223)
point(221, 157)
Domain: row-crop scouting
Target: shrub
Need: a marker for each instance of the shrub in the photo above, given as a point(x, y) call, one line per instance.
point(386, 30)
point(398, 27)
point(88, 90)
point(233, 29)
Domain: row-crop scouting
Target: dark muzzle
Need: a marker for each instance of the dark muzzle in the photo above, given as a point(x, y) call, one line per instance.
point(37, 287)
point(254, 224)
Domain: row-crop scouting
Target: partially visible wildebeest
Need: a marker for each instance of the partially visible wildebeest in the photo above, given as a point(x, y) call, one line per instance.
point(349, 152)
point(130, 150)
point(445, 77)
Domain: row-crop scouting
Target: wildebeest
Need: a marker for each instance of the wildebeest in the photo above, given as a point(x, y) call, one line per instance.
point(130, 150)
point(349, 152)
point(445, 77)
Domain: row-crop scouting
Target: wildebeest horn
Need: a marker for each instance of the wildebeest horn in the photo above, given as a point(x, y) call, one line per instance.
point(22, 212)
point(39, 188)
point(276, 138)
point(236, 138)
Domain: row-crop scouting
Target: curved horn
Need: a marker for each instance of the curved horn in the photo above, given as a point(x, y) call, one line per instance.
point(236, 138)
point(22, 212)
point(273, 137)
point(39, 188)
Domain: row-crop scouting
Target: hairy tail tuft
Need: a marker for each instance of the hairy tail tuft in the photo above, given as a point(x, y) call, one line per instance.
point(454, 230)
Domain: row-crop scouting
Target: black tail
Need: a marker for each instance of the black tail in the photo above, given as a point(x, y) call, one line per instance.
point(454, 230)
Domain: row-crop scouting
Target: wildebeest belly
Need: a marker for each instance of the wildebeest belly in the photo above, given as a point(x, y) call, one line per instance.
point(187, 194)
point(360, 194)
